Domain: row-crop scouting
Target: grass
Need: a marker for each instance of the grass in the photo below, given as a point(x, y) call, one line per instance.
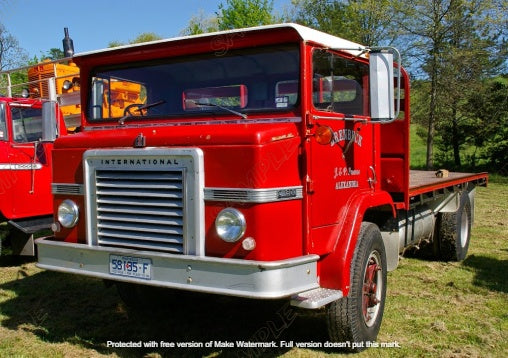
point(418, 149)
point(433, 309)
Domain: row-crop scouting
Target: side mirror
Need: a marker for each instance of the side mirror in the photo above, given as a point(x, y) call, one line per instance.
point(49, 121)
point(381, 86)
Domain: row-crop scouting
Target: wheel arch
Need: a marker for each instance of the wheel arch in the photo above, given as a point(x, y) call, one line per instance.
point(335, 267)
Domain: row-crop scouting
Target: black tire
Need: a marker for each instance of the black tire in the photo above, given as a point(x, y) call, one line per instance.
point(454, 231)
point(357, 318)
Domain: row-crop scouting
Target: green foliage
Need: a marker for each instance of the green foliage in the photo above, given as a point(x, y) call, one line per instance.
point(53, 54)
point(143, 37)
point(245, 13)
point(489, 108)
point(366, 22)
point(483, 128)
point(200, 24)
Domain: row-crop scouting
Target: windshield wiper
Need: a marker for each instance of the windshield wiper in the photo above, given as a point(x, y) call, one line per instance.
point(200, 104)
point(138, 107)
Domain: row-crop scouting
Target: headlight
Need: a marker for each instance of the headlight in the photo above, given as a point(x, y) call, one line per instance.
point(230, 225)
point(68, 213)
point(67, 85)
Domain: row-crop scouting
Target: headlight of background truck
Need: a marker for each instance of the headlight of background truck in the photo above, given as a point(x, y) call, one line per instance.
point(68, 213)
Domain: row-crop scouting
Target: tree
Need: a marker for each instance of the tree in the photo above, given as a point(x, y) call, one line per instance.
point(245, 13)
point(54, 54)
point(11, 55)
point(489, 108)
point(457, 45)
point(143, 37)
point(322, 15)
point(200, 24)
point(423, 23)
point(364, 21)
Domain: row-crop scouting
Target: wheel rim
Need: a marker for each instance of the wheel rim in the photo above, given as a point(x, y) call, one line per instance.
point(372, 289)
point(464, 228)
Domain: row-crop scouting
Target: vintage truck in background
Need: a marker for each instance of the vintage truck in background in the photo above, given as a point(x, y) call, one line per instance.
point(269, 162)
point(26, 202)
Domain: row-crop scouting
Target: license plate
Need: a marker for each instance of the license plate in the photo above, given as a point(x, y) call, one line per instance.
point(130, 266)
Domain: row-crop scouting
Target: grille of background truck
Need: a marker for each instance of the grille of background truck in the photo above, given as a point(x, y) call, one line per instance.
point(140, 209)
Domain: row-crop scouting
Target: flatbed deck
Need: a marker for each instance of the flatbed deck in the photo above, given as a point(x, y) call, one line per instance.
point(421, 181)
point(425, 185)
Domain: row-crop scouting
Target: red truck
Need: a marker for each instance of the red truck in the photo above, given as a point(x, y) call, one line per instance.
point(26, 202)
point(37, 104)
point(269, 162)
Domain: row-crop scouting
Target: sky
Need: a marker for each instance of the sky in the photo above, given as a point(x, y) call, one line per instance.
point(93, 24)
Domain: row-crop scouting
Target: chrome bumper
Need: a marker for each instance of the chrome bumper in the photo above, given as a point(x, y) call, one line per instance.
point(234, 277)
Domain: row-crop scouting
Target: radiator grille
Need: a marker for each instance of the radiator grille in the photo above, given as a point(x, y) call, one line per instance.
point(140, 209)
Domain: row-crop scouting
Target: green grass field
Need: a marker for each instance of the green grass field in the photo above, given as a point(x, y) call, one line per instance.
point(433, 309)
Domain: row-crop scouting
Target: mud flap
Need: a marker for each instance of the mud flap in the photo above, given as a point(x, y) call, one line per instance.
point(23, 244)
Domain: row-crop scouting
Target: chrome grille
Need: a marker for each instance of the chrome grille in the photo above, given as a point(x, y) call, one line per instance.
point(141, 210)
point(145, 199)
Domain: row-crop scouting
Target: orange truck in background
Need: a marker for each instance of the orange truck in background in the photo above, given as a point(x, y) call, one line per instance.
point(26, 138)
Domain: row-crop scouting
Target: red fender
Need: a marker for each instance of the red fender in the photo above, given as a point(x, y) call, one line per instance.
point(335, 268)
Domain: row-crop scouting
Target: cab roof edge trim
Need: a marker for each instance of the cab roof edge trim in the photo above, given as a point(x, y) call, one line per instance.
point(307, 34)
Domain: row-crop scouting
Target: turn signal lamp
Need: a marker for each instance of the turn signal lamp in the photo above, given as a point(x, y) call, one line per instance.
point(249, 244)
point(323, 135)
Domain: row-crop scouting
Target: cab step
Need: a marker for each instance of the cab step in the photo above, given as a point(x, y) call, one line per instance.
point(315, 298)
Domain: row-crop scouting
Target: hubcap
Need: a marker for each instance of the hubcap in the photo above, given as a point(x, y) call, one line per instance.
point(372, 288)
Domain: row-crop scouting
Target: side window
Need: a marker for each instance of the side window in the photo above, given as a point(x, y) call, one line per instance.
point(340, 85)
point(111, 96)
point(3, 124)
point(225, 96)
point(286, 93)
point(26, 124)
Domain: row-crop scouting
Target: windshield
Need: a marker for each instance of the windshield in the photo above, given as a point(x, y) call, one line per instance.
point(26, 124)
point(236, 83)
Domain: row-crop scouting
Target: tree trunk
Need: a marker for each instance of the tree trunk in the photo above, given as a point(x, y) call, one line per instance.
point(432, 116)
point(455, 137)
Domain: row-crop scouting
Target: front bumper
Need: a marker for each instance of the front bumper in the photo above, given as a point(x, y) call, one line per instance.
point(234, 277)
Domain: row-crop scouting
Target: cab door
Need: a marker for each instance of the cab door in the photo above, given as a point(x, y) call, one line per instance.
point(29, 159)
point(6, 178)
point(341, 163)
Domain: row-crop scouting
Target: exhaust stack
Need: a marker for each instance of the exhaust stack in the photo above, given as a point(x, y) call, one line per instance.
point(68, 45)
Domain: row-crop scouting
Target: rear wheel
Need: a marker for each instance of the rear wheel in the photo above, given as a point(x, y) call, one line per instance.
point(357, 317)
point(454, 231)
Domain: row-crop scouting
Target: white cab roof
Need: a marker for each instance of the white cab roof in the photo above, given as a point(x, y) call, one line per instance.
point(306, 34)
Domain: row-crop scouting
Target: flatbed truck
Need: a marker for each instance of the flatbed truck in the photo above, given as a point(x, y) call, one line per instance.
point(268, 162)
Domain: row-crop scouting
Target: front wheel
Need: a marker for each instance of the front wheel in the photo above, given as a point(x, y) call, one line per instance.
point(356, 318)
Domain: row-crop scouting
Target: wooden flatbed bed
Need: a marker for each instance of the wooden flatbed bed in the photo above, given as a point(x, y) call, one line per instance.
point(425, 185)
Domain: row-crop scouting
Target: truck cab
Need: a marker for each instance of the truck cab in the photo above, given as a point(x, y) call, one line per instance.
point(270, 162)
point(31, 118)
point(25, 166)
